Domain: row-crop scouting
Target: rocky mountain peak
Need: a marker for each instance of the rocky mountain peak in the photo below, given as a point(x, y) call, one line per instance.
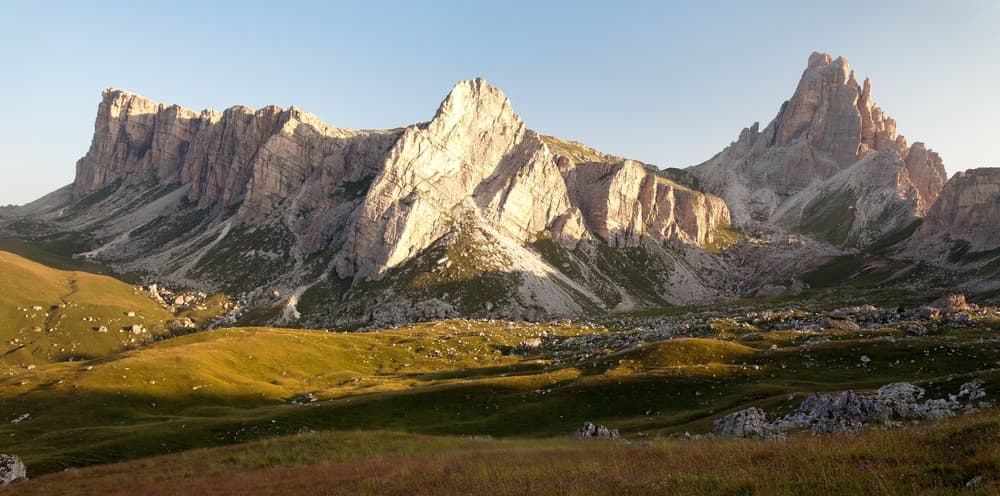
point(821, 110)
point(117, 102)
point(818, 59)
point(830, 154)
point(474, 108)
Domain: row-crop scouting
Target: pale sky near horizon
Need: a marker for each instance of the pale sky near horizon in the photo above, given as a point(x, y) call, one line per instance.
point(669, 83)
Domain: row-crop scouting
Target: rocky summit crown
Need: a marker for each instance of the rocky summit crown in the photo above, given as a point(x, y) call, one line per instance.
point(474, 214)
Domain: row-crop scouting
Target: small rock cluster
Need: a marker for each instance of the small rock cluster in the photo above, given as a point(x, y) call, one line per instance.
point(850, 411)
point(592, 430)
point(527, 347)
point(175, 300)
point(11, 469)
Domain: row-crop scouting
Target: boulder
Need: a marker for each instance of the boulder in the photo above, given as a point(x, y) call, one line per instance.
point(950, 304)
point(751, 422)
point(11, 469)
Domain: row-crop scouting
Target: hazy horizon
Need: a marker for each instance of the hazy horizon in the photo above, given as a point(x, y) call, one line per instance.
point(668, 84)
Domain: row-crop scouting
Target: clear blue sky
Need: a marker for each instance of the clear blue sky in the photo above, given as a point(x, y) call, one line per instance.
point(670, 83)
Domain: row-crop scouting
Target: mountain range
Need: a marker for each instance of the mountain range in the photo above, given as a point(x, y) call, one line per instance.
point(473, 214)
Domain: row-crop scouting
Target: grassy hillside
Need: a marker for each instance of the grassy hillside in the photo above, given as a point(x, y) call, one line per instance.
point(455, 378)
point(402, 403)
point(49, 315)
point(931, 459)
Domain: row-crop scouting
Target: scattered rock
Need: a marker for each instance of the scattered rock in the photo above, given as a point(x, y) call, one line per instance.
point(591, 430)
point(11, 469)
point(972, 390)
point(185, 323)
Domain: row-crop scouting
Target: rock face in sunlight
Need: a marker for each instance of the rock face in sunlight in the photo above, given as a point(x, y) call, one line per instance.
point(474, 214)
point(829, 165)
point(197, 197)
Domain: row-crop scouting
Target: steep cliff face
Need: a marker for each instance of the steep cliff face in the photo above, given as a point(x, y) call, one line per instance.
point(302, 205)
point(624, 202)
point(964, 220)
point(830, 137)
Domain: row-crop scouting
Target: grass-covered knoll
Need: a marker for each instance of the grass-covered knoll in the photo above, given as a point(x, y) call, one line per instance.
point(680, 354)
point(934, 459)
point(49, 315)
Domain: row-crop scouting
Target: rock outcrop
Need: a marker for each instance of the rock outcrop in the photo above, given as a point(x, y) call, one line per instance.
point(830, 156)
point(849, 411)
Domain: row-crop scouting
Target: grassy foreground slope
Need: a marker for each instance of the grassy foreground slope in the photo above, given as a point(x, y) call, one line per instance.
point(959, 456)
point(452, 378)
